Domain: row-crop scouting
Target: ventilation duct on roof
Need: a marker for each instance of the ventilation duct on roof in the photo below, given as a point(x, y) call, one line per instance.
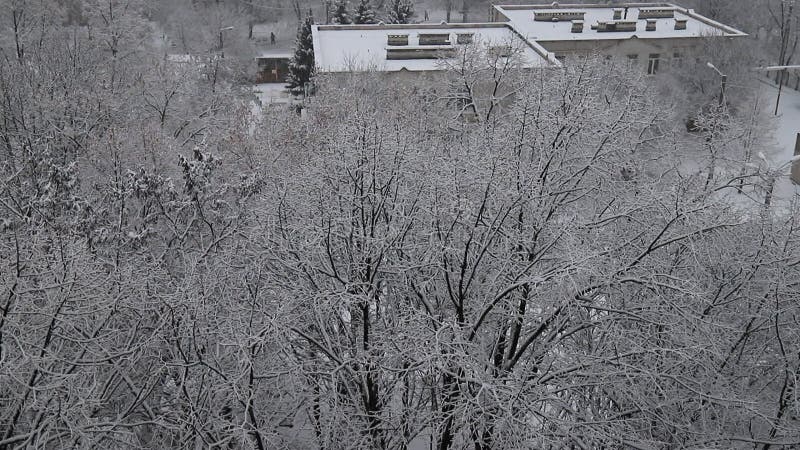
point(419, 53)
point(556, 16)
point(656, 13)
point(397, 39)
point(680, 24)
point(651, 25)
point(577, 26)
point(615, 25)
point(434, 39)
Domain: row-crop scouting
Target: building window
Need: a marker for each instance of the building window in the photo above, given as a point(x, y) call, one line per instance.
point(677, 59)
point(500, 51)
point(652, 63)
point(464, 39)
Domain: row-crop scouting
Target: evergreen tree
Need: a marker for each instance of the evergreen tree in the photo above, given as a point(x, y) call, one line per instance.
point(340, 14)
point(400, 11)
point(364, 13)
point(301, 66)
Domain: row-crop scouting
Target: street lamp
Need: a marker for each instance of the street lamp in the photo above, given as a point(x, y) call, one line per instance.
point(724, 82)
point(221, 47)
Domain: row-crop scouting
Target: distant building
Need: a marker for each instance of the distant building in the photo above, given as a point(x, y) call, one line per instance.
point(645, 33)
point(415, 47)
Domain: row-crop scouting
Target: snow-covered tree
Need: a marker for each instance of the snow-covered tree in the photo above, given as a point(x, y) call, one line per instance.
point(400, 11)
point(340, 15)
point(301, 66)
point(364, 14)
point(546, 259)
point(549, 275)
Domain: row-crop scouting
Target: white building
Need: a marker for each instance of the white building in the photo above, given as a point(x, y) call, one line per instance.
point(645, 33)
point(416, 47)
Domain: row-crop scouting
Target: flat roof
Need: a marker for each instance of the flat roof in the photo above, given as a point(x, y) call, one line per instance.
point(348, 48)
point(521, 17)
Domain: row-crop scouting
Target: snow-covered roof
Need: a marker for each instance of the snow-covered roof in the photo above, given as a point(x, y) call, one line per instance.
point(277, 53)
point(521, 17)
point(185, 58)
point(348, 48)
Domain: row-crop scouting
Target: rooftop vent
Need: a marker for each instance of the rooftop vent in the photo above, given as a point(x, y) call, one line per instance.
point(557, 16)
point(680, 24)
point(434, 39)
point(418, 53)
point(397, 39)
point(617, 14)
point(651, 25)
point(656, 13)
point(577, 26)
point(615, 25)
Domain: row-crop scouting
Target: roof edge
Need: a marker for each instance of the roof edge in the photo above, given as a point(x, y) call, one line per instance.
point(535, 46)
point(316, 44)
point(732, 32)
point(585, 5)
point(416, 26)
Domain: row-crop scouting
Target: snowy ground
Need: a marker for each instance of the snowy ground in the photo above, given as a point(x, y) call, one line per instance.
point(787, 125)
point(284, 30)
point(268, 93)
point(777, 150)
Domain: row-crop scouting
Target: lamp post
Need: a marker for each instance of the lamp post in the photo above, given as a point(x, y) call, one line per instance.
point(724, 79)
point(221, 46)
